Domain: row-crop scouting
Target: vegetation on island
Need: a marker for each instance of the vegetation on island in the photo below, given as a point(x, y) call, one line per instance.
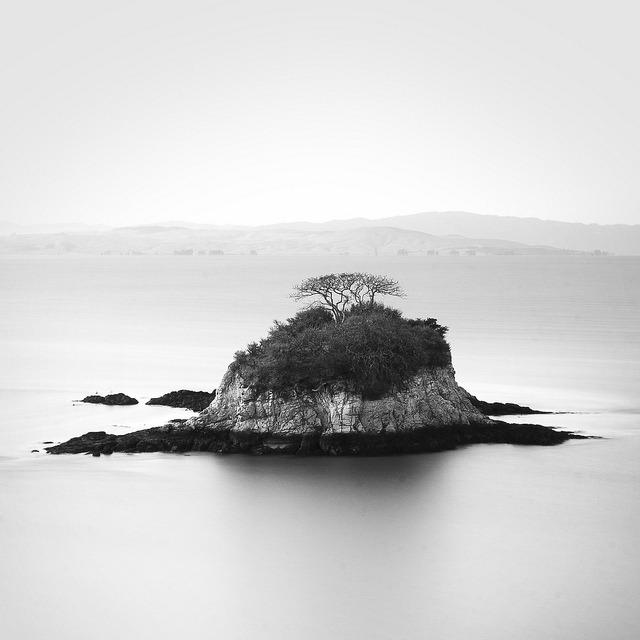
point(344, 336)
point(185, 399)
point(339, 292)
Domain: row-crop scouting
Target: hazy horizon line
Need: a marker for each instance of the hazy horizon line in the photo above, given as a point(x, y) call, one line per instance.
point(329, 220)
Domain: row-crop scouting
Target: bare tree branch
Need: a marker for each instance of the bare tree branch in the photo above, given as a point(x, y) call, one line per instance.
point(338, 292)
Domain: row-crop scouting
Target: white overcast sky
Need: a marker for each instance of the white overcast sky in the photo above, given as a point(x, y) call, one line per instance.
point(255, 111)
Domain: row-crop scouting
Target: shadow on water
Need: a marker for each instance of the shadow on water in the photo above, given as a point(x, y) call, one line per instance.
point(345, 535)
point(367, 477)
point(346, 468)
point(451, 544)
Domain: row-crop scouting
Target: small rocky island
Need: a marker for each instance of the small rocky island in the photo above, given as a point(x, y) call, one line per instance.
point(345, 376)
point(113, 399)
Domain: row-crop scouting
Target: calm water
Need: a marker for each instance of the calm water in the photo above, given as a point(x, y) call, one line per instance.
point(486, 542)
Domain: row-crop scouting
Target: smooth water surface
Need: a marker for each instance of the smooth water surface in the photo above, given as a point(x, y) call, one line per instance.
point(491, 541)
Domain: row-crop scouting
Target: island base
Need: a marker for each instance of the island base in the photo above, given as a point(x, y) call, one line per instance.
point(180, 439)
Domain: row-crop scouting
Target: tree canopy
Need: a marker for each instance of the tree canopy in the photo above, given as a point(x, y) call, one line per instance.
point(346, 337)
point(340, 292)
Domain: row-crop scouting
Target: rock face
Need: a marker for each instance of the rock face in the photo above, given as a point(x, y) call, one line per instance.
point(431, 399)
point(185, 399)
point(112, 399)
point(432, 413)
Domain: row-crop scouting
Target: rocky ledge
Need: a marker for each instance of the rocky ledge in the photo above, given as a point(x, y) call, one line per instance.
point(181, 438)
point(431, 413)
point(185, 399)
point(503, 408)
point(114, 399)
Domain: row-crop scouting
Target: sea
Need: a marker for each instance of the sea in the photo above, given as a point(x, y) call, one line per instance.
point(487, 542)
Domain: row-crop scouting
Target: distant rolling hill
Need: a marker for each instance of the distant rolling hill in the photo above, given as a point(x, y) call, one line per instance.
point(8, 228)
point(614, 238)
point(416, 232)
point(273, 239)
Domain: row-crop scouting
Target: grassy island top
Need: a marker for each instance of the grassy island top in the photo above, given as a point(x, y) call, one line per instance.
point(344, 336)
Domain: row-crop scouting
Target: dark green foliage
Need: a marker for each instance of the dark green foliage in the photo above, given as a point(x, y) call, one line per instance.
point(431, 323)
point(372, 352)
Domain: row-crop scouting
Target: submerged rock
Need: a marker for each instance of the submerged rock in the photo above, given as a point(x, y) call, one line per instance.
point(185, 399)
point(115, 399)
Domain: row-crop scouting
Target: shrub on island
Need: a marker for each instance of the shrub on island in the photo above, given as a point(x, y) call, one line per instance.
point(373, 351)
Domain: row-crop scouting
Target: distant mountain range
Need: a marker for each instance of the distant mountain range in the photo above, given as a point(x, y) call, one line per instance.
point(8, 228)
point(574, 236)
point(442, 232)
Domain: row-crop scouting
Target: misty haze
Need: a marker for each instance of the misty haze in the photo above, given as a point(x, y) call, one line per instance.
point(319, 320)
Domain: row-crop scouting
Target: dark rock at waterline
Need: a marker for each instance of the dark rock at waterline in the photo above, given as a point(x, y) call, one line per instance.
point(35, 451)
point(114, 399)
point(182, 438)
point(431, 413)
point(185, 399)
point(502, 408)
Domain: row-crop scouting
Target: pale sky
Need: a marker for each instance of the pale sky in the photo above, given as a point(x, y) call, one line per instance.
point(253, 111)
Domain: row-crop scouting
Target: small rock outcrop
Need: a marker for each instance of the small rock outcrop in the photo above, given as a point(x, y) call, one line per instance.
point(502, 408)
point(114, 399)
point(185, 399)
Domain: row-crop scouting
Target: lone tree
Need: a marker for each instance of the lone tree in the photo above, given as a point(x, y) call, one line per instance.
point(339, 292)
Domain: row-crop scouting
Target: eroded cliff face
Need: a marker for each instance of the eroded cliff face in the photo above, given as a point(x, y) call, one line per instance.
point(430, 399)
point(431, 414)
